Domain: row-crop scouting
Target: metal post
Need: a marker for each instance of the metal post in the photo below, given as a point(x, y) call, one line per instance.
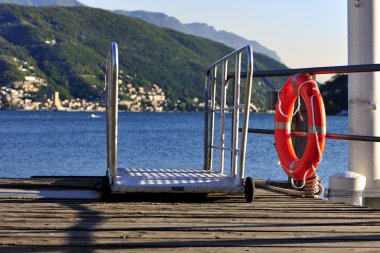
point(235, 122)
point(247, 104)
point(363, 92)
point(206, 147)
point(107, 121)
point(223, 115)
point(112, 109)
point(212, 117)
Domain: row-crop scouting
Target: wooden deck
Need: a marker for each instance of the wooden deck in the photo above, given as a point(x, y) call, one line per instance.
point(274, 222)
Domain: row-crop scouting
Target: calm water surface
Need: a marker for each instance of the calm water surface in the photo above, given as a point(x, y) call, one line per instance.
point(68, 143)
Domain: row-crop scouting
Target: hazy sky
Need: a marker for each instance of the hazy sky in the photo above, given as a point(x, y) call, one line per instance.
point(304, 33)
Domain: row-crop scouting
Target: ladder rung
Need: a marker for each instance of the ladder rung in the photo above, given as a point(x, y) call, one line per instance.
point(230, 108)
point(212, 110)
point(228, 149)
point(231, 149)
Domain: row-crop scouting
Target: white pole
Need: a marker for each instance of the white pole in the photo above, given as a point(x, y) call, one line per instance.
point(364, 93)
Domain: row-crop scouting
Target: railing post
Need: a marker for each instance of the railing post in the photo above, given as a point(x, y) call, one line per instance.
point(235, 121)
point(112, 89)
point(223, 114)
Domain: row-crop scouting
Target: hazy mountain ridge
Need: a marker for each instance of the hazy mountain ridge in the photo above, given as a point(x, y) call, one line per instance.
point(65, 3)
point(200, 30)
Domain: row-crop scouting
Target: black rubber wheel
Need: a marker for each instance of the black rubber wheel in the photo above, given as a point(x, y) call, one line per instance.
point(106, 189)
point(249, 191)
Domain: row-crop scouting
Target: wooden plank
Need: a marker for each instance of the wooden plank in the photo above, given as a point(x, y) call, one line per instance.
point(35, 239)
point(52, 182)
point(264, 249)
point(243, 216)
point(273, 222)
point(12, 216)
point(240, 231)
point(146, 242)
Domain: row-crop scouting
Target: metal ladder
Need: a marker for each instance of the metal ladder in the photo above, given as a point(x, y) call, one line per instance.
point(123, 180)
point(212, 81)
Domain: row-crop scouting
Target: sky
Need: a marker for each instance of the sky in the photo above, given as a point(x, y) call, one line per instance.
point(304, 33)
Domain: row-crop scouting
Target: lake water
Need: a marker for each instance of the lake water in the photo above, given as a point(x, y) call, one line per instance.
point(73, 143)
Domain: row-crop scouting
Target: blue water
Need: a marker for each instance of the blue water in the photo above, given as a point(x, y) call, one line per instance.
point(73, 143)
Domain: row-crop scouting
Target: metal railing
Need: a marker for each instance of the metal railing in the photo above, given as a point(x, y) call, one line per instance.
point(347, 137)
point(212, 80)
point(344, 69)
point(111, 90)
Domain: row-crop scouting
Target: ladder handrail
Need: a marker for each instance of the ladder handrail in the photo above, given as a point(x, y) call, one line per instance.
point(111, 97)
point(229, 56)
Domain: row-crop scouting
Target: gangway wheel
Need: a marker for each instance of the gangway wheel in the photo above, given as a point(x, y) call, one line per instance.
point(249, 189)
point(106, 189)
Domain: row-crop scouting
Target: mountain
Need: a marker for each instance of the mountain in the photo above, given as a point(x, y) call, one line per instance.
point(68, 47)
point(67, 3)
point(200, 30)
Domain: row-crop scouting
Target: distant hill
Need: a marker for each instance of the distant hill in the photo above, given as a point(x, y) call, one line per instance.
point(67, 3)
point(68, 46)
point(200, 30)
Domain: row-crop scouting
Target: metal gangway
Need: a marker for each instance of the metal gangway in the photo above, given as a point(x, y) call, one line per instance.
point(232, 99)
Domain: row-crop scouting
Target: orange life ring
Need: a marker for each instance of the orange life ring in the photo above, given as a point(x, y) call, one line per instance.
point(304, 86)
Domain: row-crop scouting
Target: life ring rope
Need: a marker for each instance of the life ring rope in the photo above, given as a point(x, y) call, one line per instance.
point(304, 179)
point(298, 98)
point(315, 128)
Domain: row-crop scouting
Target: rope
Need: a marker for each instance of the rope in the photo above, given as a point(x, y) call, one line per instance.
point(314, 128)
point(304, 179)
point(313, 187)
point(298, 100)
point(280, 110)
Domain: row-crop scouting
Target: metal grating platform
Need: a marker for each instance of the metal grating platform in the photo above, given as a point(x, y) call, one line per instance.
point(174, 180)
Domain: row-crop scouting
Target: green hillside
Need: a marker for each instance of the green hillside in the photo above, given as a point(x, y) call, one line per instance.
point(74, 63)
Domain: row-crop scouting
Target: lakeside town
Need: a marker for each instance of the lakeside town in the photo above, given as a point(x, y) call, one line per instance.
point(21, 95)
